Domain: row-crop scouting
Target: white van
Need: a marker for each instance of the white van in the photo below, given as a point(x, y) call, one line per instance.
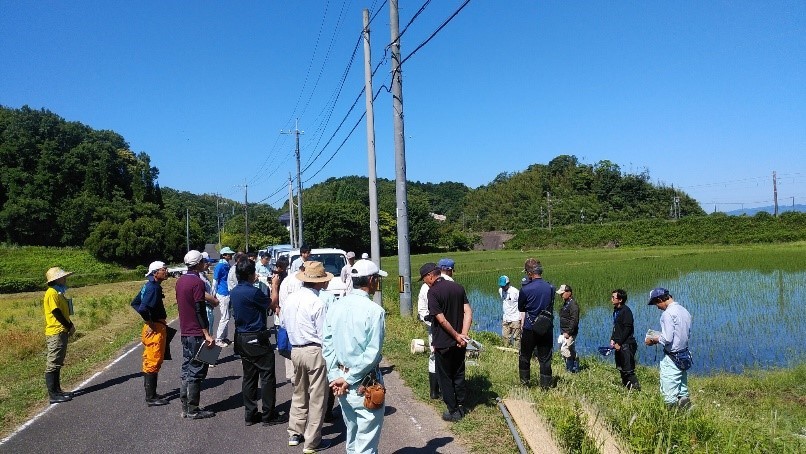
point(333, 259)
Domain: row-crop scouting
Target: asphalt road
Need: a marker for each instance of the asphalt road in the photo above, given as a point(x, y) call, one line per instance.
point(109, 414)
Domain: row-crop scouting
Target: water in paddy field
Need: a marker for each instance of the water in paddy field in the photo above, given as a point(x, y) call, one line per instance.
point(741, 319)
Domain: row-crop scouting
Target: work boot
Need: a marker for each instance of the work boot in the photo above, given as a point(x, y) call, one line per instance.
point(150, 385)
point(194, 395)
point(576, 366)
point(55, 397)
point(183, 398)
point(434, 386)
point(524, 377)
point(545, 381)
point(58, 373)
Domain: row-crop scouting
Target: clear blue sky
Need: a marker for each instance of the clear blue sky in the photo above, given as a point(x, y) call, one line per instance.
point(707, 96)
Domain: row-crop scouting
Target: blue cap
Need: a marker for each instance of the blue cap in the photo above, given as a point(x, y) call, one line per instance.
point(655, 294)
point(502, 281)
point(446, 263)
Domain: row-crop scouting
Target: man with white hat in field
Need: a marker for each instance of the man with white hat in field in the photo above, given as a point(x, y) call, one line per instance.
point(511, 324)
point(353, 338)
point(58, 328)
point(149, 304)
point(303, 317)
point(347, 269)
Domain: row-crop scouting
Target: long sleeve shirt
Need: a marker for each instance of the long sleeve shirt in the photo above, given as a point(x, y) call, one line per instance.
point(151, 307)
point(354, 330)
point(303, 317)
point(623, 326)
point(675, 326)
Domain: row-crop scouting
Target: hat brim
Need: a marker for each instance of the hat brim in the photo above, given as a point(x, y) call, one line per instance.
point(61, 275)
point(314, 280)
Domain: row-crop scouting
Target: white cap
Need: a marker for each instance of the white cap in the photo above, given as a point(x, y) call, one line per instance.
point(154, 267)
point(365, 256)
point(351, 255)
point(366, 268)
point(193, 257)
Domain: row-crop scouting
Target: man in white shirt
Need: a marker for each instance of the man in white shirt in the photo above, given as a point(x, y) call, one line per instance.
point(346, 269)
point(289, 285)
point(304, 253)
point(446, 265)
point(303, 317)
point(511, 325)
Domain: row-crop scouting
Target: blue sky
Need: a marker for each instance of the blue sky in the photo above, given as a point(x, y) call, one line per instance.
point(707, 96)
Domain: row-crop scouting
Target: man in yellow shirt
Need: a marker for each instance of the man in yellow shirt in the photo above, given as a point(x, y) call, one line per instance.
point(57, 329)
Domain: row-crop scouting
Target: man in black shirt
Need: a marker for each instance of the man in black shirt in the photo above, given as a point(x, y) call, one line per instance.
point(623, 340)
point(536, 305)
point(451, 318)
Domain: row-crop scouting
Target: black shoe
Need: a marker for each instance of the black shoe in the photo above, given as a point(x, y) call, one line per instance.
point(59, 398)
point(254, 419)
point(201, 414)
point(452, 417)
point(158, 402)
point(275, 419)
point(295, 439)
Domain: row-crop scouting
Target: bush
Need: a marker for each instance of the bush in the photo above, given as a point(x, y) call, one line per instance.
point(20, 284)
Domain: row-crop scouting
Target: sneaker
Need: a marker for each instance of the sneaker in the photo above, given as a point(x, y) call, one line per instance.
point(324, 444)
point(222, 343)
point(295, 439)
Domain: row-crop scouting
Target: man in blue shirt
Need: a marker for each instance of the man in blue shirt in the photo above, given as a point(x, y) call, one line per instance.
point(220, 273)
point(250, 308)
point(155, 331)
point(354, 330)
point(536, 305)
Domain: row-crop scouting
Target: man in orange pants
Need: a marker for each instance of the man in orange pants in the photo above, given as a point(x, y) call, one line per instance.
point(148, 303)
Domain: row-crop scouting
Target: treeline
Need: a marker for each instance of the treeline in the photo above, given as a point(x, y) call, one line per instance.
point(717, 229)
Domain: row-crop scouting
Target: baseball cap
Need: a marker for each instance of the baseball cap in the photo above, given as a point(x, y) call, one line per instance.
point(564, 288)
point(427, 269)
point(365, 256)
point(351, 255)
point(154, 266)
point(446, 263)
point(193, 257)
point(366, 268)
point(655, 294)
point(226, 250)
point(503, 280)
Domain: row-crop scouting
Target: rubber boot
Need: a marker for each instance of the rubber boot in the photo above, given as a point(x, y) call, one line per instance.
point(569, 365)
point(524, 377)
point(58, 373)
point(183, 398)
point(576, 365)
point(545, 381)
point(194, 395)
point(55, 397)
point(150, 385)
point(434, 386)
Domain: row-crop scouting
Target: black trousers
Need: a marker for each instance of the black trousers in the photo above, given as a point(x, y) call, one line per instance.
point(543, 343)
point(625, 363)
point(257, 359)
point(450, 365)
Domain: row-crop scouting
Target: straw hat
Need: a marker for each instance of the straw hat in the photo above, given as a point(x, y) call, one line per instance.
point(314, 272)
point(56, 273)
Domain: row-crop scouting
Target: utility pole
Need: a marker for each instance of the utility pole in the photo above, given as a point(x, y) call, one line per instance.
point(296, 133)
point(374, 230)
point(291, 212)
point(548, 204)
point(187, 228)
point(245, 214)
point(775, 192)
point(404, 259)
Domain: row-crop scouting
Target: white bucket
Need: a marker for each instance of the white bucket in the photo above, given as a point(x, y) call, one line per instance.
point(417, 346)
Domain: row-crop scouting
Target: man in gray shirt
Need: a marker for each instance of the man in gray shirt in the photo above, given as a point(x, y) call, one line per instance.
point(675, 325)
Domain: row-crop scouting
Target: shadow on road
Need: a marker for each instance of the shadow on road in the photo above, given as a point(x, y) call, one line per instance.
point(432, 446)
point(107, 384)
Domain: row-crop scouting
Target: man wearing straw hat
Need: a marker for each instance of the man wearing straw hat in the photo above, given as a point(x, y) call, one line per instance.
point(303, 317)
point(58, 328)
point(353, 338)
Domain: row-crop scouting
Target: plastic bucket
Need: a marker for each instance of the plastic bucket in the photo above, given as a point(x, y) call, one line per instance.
point(417, 346)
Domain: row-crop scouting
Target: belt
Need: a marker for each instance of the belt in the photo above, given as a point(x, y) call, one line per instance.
point(309, 344)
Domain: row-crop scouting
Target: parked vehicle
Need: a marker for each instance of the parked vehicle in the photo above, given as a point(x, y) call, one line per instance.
point(333, 259)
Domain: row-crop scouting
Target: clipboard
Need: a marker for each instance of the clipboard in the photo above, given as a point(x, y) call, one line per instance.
point(208, 355)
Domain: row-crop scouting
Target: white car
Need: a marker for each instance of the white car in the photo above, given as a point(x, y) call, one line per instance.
point(333, 259)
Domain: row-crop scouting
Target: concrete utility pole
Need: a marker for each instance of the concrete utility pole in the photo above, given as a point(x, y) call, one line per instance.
point(245, 214)
point(374, 230)
point(404, 259)
point(548, 206)
point(187, 228)
point(775, 192)
point(297, 132)
point(291, 212)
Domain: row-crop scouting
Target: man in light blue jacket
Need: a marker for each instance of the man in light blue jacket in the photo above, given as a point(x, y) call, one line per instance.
point(353, 336)
point(675, 326)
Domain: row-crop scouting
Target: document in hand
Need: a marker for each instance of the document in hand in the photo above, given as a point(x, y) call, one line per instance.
point(208, 355)
point(652, 334)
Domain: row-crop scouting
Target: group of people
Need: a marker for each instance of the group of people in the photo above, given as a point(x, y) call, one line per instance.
point(528, 324)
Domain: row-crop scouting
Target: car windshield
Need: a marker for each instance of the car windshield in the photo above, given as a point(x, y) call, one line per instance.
point(333, 261)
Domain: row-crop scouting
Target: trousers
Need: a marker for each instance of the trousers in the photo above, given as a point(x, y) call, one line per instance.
point(308, 400)
point(673, 381)
point(363, 425)
point(153, 347)
point(450, 364)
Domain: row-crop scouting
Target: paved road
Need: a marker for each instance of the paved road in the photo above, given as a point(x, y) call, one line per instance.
point(110, 415)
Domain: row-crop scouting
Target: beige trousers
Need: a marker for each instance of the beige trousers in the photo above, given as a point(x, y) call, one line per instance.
point(309, 399)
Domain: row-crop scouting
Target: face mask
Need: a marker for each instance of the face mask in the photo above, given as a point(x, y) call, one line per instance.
point(60, 288)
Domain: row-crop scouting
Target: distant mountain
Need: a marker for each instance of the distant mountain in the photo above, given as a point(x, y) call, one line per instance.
point(769, 209)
